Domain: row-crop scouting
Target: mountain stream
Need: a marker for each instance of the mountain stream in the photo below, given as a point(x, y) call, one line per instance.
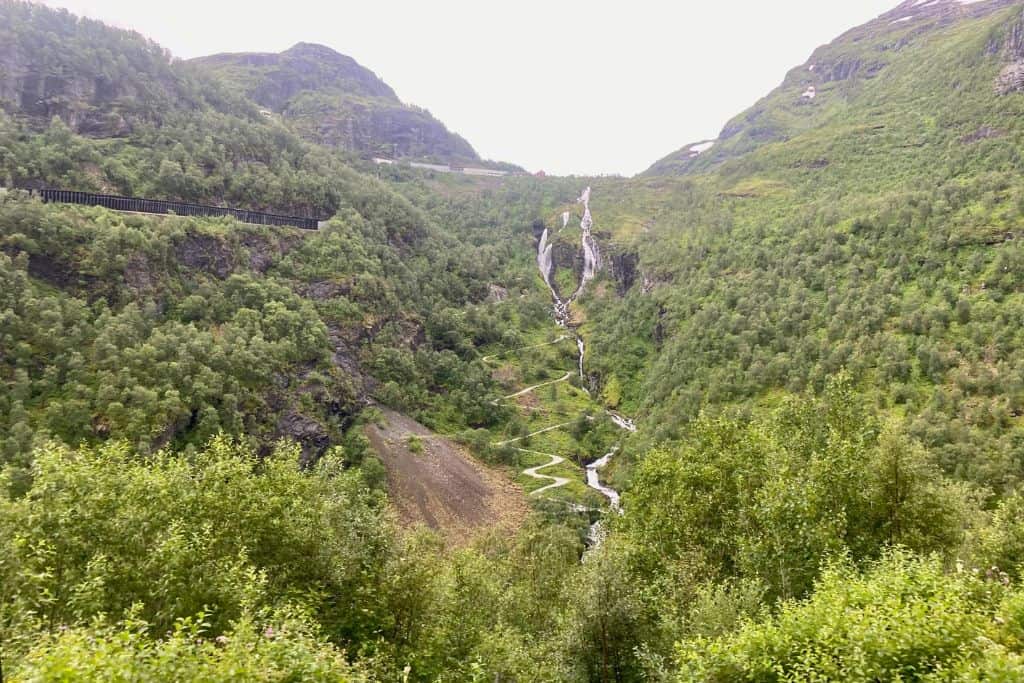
point(591, 265)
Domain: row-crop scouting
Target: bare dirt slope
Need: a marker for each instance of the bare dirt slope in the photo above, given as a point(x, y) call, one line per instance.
point(442, 486)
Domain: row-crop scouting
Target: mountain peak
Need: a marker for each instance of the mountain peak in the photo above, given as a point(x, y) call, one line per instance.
point(314, 48)
point(331, 99)
point(304, 66)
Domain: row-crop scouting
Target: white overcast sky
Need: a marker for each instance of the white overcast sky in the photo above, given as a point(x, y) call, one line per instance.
point(566, 86)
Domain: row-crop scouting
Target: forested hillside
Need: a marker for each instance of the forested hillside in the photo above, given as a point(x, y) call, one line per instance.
point(332, 100)
point(815, 322)
point(883, 237)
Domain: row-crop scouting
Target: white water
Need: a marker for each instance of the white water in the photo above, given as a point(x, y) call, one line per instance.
point(622, 422)
point(583, 352)
point(591, 253)
point(591, 266)
point(544, 258)
point(594, 480)
point(544, 264)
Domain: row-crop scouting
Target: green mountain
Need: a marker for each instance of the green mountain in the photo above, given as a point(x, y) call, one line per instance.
point(101, 83)
point(861, 78)
point(146, 315)
point(332, 100)
point(240, 452)
point(873, 227)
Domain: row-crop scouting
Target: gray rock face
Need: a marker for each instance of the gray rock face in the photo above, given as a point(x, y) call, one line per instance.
point(624, 271)
point(496, 293)
point(266, 251)
point(1011, 79)
point(307, 432)
point(81, 102)
point(207, 254)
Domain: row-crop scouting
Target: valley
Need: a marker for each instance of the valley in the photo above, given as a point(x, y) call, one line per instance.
point(755, 414)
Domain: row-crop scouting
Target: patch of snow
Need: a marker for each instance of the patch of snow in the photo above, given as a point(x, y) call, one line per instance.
point(902, 19)
point(812, 67)
point(926, 3)
point(699, 148)
point(810, 93)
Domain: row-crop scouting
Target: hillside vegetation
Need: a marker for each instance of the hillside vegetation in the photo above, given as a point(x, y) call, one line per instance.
point(883, 239)
point(215, 438)
point(332, 100)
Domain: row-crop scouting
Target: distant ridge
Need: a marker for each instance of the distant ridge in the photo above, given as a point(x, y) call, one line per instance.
point(331, 99)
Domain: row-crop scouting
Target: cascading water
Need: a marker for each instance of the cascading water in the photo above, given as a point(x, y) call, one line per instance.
point(594, 480)
point(591, 253)
point(591, 265)
point(583, 352)
point(544, 264)
point(544, 258)
point(622, 422)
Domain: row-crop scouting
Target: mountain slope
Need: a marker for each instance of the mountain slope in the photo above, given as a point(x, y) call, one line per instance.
point(841, 300)
point(874, 228)
point(332, 100)
point(849, 79)
point(131, 328)
point(100, 82)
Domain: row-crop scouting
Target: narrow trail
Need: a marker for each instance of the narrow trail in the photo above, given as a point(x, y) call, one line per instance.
point(527, 390)
point(488, 359)
point(534, 472)
point(538, 432)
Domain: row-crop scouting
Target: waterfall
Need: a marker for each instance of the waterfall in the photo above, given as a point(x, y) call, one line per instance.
point(591, 265)
point(544, 258)
point(544, 264)
point(622, 422)
point(583, 352)
point(591, 262)
point(594, 480)
point(591, 252)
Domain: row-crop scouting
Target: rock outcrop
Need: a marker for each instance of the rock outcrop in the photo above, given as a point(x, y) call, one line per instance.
point(624, 270)
point(1011, 77)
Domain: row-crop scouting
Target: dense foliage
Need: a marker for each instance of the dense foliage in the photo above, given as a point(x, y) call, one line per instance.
point(114, 560)
point(905, 619)
point(820, 334)
point(876, 239)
